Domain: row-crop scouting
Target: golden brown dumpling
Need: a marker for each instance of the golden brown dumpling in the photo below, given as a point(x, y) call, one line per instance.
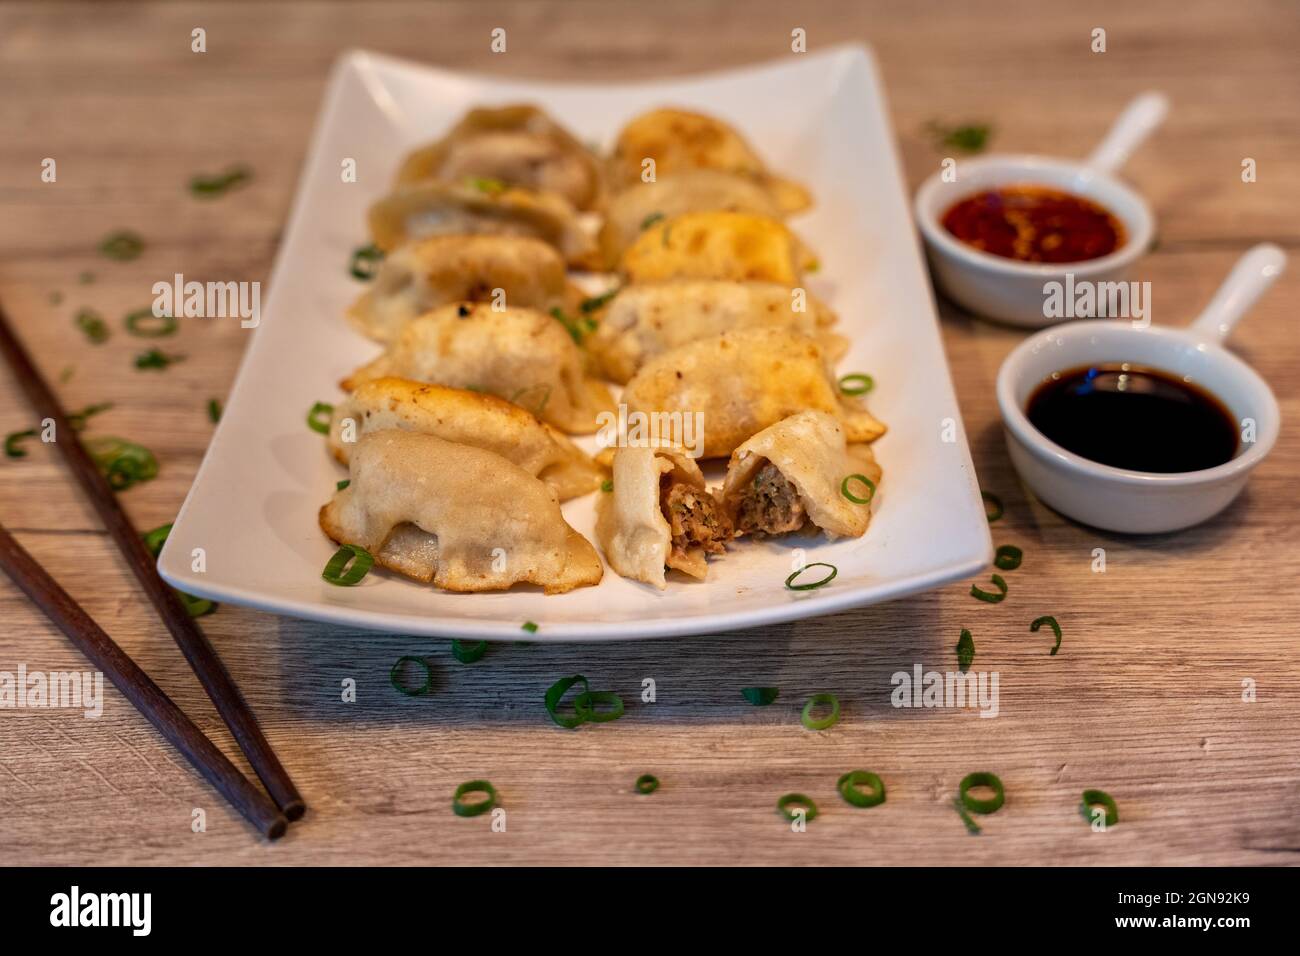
point(419, 210)
point(793, 473)
point(522, 355)
point(717, 245)
point(459, 516)
point(638, 207)
point(517, 145)
point(427, 273)
point(642, 321)
point(659, 514)
point(743, 381)
point(471, 418)
point(679, 140)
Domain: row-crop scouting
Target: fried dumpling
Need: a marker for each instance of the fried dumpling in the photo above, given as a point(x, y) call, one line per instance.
point(427, 273)
point(642, 321)
point(743, 381)
point(659, 514)
point(470, 418)
point(797, 472)
point(638, 207)
point(459, 516)
point(519, 145)
point(679, 140)
point(419, 210)
point(717, 245)
point(522, 355)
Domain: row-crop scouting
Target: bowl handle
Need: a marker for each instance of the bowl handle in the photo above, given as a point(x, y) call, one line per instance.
point(1249, 279)
point(1138, 121)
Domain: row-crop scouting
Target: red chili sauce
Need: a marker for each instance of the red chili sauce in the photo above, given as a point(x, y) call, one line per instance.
point(1035, 224)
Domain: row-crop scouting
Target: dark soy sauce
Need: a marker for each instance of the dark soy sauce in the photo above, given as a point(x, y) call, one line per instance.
point(1134, 417)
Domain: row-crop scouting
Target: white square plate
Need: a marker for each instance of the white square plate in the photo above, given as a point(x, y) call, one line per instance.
point(819, 118)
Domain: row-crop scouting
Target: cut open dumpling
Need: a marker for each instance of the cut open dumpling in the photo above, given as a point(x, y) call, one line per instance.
point(418, 210)
point(519, 145)
point(427, 273)
point(459, 516)
point(679, 140)
point(521, 355)
point(717, 245)
point(642, 321)
point(659, 514)
point(742, 381)
point(801, 471)
point(470, 418)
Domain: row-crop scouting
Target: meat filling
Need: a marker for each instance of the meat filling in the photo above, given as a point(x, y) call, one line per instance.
point(770, 505)
point(694, 518)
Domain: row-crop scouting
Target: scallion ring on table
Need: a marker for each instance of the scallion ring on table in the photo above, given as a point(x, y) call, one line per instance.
point(759, 696)
point(989, 596)
point(870, 485)
point(1056, 629)
point(555, 694)
point(1099, 798)
point(813, 585)
point(365, 262)
point(122, 246)
point(144, 324)
point(856, 384)
point(395, 675)
point(647, 783)
point(1008, 557)
point(468, 653)
point(155, 539)
point(586, 704)
point(462, 809)
point(981, 779)
point(12, 448)
point(992, 499)
point(348, 566)
point(798, 800)
point(122, 462)
point(820, 700)
point(314, 420)
point(849, 784)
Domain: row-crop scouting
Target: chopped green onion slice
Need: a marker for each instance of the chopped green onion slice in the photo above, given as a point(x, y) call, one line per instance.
point(870, 486)
point(966, 138)
point(812, 586)
point(361, 562)
point(462, 809)
point(1056, 629)
point(981, 779)
point(146, 325)
point(12, 449)
point(989, 596)
point(1099, 798)
point(543, 391)
point(760, 696)
point(556, 692)
point(365, 262)
point(156, 359)
point(78, 419)
point(93, 326)
point(207, 187)
point(856, 384)
point(598, 301)
point(528, 626)
point(586, 703)
point(965, 650)
point(395, 675)
point(314, 420)
point(573, 328)
point(122, 462)
point(820, 700)
point(972, 827)
point(155, 539)
point(214, 410)
point(196, 606)
point(849, 783)
point(991, 499)
point(1008, 557)
point(796, 800)
point(468, 653)
point(647, 783)
point(485, 184)
point(122, 246)
point(650, 220)
point(607, 486)
point(340, 485)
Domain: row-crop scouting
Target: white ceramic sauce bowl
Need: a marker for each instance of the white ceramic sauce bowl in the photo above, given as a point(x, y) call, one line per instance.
point(1010, 290)
point(1117, 499)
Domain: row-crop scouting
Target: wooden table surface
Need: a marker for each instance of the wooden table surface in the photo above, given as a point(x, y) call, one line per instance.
point(1144, 699)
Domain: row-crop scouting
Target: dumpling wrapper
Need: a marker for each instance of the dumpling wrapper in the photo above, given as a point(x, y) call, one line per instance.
point(427, 273)
point(793, 472)
point(437, 511)
point(638, 207)
point(418, 210)
point(679, 140)
point(522, 355)
point(642, 321)
point(470, 418)
point(743, 381)
point(639, 541)
point(717, 245)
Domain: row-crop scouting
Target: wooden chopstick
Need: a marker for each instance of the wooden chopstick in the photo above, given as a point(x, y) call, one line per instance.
point(203, 659)
point(135, 685)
